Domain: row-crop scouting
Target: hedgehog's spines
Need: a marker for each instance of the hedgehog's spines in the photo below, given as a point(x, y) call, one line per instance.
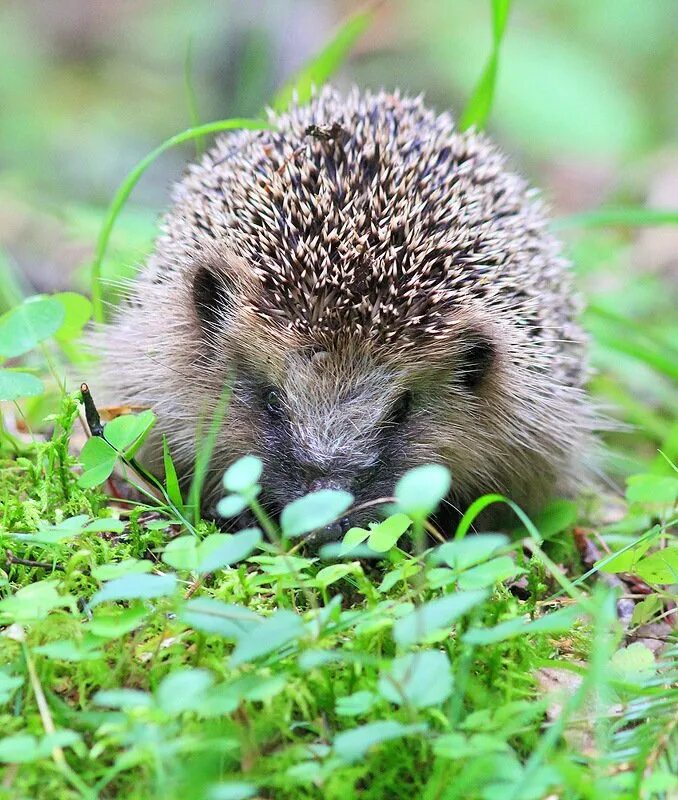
point(398, 243)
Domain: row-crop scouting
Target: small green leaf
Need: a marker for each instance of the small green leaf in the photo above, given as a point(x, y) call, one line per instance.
point(441, 577)
point(115, 621)
point(333, 573)
point(136, 587)
point(279, 629)
point(353, 744)
point(20, 748)
point(182, 553)
point(77, 311)
point(98, 461)
point(222, 550)
point(215, 551)
point(356, 704)
point(171, 479)
point(15, 384)
point(420, 679)
point(434, 615)
point(117, 569)
point(243, 474)
point(626, 559)
point(104, 525)
point(352, 538)
point(34, 602)
point(634, 664)
point(25, 326)
point(226, 697)
point(123, 699)
point(235, 790)
point(62, 738)
point(315, 510)
point(402, 573)
point(469, 551)
point(232, 505)
point(646, 609)
point(182, 689)
point(421, 490)
point(55, 534)
point(214, 616)
point(385, 535)
point(660, 567)
point(68, 650)
point(127, 432)
point(489, 573)
point(457, 746)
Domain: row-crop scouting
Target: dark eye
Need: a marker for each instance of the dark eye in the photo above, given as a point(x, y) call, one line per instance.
point(273, 402)
point(477, 358)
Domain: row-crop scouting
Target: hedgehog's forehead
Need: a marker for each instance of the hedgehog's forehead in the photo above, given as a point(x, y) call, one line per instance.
point(291, 357)
point(334, 371)
point(384, 232)
point(380, 326)
point(340, 366)
point(377, 234)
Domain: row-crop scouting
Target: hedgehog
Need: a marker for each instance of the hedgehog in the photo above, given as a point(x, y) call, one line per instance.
point(374, 289)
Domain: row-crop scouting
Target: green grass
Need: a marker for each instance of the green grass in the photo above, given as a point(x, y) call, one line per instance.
point(145, 654)
point(145, 660)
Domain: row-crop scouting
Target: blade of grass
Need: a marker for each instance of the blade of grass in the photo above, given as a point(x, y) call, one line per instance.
point(635, 412)
point(595, 679)
point(622, 217)
point(616, 333)
point(482, 503)
point(667, 456)
point(132, 179)
point(479, 105)
point(204, 454)
point(48, 724)
point(171, 479)
point(317, 71)
point(640, 329)
point(653, 533)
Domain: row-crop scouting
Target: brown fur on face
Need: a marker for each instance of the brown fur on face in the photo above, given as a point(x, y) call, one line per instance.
point(397, 294)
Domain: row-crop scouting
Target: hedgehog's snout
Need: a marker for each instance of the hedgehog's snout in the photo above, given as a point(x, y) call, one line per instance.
point(355, 480)
point(330, 533)
point(336, 530)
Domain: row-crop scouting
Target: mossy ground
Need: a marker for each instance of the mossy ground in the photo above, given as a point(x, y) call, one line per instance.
point(149, 698)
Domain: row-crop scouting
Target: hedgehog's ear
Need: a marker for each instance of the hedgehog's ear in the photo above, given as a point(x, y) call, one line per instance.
point(211, 292)
point(477, 354)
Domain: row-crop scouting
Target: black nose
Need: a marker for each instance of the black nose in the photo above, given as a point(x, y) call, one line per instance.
point(330, 533)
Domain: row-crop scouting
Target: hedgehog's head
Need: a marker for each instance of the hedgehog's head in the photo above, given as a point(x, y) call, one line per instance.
point(378, 300)
point(331, 407)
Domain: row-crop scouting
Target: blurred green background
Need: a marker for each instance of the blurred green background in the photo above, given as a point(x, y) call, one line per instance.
point(585, 104)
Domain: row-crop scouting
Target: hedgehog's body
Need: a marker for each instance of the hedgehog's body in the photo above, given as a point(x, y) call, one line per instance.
point(379, 291)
